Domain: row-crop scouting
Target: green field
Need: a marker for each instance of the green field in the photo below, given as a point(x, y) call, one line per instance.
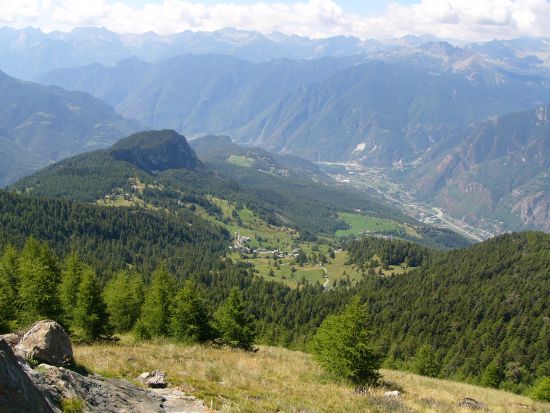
point(241, 160)
point(362, 223)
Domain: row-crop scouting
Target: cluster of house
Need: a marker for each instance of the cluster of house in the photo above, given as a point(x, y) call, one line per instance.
point(241, 245)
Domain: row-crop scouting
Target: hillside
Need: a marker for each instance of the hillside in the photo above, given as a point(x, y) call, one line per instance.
point(111, 239)
point(163, 172)
point(16, 161)
point(285, 380)
point(195, 94)
point(494, 173)
point(219, 150)
point(487, 304)
point(477, 309)
point(49, 123)
point(379, 112)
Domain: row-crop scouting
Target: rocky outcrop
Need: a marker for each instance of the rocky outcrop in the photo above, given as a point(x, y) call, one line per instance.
point(46, 388)
point(12, 339)
point(154, 379)
point(156, 151)
point(471, 404)
point(46, 342)
point(96, 393)
point(18, 394)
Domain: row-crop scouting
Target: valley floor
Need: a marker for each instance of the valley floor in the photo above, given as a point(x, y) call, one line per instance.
point(279, 380)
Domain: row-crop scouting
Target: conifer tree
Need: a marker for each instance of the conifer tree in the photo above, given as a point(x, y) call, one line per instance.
point(424, 362)
point(189, 321)
point(124, 296)
point(90, 320)
point(492, 376)
point(71, 276)
point(9, 279)
point(234, 324)
point(343, 346)
point(155, 313)
point(9, 266)
point(38, 290)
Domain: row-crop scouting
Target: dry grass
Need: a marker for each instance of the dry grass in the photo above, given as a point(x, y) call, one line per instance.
point(279, 380)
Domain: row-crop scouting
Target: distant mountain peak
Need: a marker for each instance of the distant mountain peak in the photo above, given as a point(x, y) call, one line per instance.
point(155, 151)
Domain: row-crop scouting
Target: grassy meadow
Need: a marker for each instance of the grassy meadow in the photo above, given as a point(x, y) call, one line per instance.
point(279, 380)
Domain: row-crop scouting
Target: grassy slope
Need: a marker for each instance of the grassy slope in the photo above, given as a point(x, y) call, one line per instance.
point(276, 379)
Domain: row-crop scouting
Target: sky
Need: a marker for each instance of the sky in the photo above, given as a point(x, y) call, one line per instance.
point(466, 20)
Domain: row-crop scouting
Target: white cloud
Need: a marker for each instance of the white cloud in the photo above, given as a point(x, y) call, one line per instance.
point(458, 19)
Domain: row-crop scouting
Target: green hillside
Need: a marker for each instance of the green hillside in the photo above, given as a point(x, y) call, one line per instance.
point(481, 308)
point(158, 170)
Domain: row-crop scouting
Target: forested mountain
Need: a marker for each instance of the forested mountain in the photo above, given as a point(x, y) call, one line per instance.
point(40, 124)
point(163, 172)
point(482, 311)
point(222, 150)
point(496, 170)
point(112, 239)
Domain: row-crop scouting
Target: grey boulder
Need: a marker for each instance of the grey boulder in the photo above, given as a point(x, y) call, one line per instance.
point(46, 342)
point(18, 394)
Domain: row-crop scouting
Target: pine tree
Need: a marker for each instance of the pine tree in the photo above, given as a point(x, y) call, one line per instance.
point(190, 321)
point(9, 266)
point(155, 313)
point(90, 319)
point(492, 376)
point(123, 295)
point(9, 279)
point(343, 346)
point(71, 276)
point(234, 324)
point(38, 295)
point(425, 362)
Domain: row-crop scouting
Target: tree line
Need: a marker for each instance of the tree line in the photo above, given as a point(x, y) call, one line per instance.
point(35, 285)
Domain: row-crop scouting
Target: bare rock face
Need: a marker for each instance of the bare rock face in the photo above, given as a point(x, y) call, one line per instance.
point(12, 339)
point(18, 394)
point(97, 394)
point(46, 342)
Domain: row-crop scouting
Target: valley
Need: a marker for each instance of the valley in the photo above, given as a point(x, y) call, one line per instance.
point(255, 207)
point(377, 179)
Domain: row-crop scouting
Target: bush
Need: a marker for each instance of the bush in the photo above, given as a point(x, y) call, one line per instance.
point(541, 389)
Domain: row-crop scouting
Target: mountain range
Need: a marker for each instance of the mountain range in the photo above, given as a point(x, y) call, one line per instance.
point(158, 169)
point(41, 124)
point(496, 170)
point(331, 109)
point(403, 106)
